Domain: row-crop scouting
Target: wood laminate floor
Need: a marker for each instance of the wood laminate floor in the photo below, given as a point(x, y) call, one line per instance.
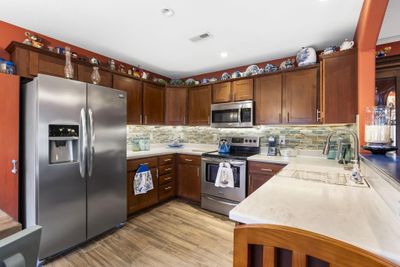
point(172, 234)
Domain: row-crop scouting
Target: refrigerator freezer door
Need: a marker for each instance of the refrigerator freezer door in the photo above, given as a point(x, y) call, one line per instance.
point(61, 202)
point(106, 181)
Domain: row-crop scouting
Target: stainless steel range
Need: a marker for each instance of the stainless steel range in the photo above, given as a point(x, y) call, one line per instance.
point(223, 199)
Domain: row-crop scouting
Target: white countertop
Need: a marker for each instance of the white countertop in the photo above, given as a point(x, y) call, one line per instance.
point(356, 215)
point(163, 149)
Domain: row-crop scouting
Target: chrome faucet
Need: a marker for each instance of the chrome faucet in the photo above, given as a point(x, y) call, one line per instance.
point(356, 175)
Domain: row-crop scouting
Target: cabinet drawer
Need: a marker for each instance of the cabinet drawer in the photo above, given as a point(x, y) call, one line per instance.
point(166, 178)
point(166, 191)
point(264, 168)
point(150, 162)
point(189, 159)
point(165, 160)
point(166, 169)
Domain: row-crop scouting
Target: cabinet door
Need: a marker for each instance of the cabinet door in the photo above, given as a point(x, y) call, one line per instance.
point(84, 73)
point(153, 104)
point(268, 99)
point(242, 90)
point(133, 89)
point(189, 181)
point(175, 105)
point(9, 144)
point(300, 96)
point(222, 92)
point(42, 63)
point(339, 90)
point(199, 105)
point(138, 202)
point(257, 180)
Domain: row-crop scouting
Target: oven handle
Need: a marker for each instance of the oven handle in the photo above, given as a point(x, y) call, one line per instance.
point(220, 201)
point(233, 162)
point(240, 115)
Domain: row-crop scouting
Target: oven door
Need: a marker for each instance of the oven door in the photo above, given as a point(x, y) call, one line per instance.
point(236, 114)
point(209, 172)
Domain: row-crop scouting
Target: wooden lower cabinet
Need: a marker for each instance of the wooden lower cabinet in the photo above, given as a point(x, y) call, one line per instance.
point(259, 173)
point(163, 173)
point(189, 177)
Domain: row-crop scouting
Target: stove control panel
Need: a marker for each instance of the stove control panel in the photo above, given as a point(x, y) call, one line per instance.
point(249, 141)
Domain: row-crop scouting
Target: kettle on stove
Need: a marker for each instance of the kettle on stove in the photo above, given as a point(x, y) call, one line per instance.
point(223, 146)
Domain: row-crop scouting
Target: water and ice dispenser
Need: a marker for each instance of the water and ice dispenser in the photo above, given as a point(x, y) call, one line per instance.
point(63, 143)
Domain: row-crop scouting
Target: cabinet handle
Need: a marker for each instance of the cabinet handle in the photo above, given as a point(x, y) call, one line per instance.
point(14, 166)
point(145, 163)
point(157, 172)
point(318, 115)
point(167, 160)
point(288, 117)
point(198, 172)
point(167, 178)
point(168, 169)
point(190, 160)
point(140, 119)
point(266, 170)
point(168, 188)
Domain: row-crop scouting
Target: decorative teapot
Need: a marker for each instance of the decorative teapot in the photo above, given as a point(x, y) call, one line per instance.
point(346, 45)
point(223, 146)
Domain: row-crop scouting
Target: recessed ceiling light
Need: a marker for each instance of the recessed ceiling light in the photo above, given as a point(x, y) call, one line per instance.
point(167, 12)
point(224, 54)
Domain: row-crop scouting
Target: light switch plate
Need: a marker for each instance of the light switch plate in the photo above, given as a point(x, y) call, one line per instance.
point(282, 139)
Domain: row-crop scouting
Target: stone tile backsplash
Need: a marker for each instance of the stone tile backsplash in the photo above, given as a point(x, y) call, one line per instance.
point(302, 137)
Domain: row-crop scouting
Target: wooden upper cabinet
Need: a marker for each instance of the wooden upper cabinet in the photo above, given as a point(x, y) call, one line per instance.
point(268, 99)
point(45, 64)
point(199, 105)
point(133, 89)
point(242, 90)
point(84, 73)
point(222, 92)
point(339, 87)
point(175, 105)
point(300, 96)
point(153, 104)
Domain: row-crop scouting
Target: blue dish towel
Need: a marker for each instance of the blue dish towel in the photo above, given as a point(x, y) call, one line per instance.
point(142, 182)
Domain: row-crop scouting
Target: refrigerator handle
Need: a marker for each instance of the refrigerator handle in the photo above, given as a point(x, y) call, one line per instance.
point(92, 137)
point(83, 142)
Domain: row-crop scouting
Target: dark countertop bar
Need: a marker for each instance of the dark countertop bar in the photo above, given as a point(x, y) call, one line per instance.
point(388, 164)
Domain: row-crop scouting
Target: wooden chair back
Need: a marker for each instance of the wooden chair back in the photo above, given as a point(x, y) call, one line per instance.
point(303, 244)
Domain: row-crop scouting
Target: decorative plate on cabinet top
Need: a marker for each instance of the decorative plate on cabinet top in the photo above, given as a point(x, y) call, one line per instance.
point(287, 64)
point(251, 70)
point(270, 68)
point(236, 74)
point(190, 82)
point(225, 76)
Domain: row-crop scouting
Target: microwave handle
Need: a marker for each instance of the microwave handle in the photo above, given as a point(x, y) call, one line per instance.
point(240, 114)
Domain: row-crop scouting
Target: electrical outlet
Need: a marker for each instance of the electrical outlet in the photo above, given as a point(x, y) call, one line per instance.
point(282, 139)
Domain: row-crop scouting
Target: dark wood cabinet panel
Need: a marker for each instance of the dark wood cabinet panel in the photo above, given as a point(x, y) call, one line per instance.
point(84, 73)
point(222, 92)
point(153, 104)
point(189, 178)
point(138, 202)
point(176, 105)
point(45, 64)
point(339, 87)
point(199, 105)
point(9, 144)
point(300, 96)
point(268, 99)
point(242, 90)
point(133, 89)
point(259, 173)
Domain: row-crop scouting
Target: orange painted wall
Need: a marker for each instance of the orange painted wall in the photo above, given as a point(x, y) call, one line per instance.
point(10, 32)
point(368, 28)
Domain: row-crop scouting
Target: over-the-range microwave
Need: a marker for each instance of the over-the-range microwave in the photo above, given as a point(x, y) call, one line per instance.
point(232, 115)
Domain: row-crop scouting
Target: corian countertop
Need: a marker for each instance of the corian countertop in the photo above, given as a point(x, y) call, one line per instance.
point(356, 215)
point(163, 149)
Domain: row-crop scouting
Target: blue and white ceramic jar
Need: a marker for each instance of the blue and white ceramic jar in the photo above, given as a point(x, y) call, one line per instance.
point(306, 56)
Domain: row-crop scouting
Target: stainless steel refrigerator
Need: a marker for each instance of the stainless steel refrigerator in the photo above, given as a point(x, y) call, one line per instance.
point(74, 160)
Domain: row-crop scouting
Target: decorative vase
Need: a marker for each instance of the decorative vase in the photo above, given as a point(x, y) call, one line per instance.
point(95, 76)
point(306, 56)
point(68, 69)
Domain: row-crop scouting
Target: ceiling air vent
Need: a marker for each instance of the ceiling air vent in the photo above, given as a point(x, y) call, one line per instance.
point(203, 36)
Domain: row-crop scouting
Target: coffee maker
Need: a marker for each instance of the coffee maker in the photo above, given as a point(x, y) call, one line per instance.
point(273, 146)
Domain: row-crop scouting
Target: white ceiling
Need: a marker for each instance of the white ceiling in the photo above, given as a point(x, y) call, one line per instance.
point(135, 31)
point(390, 31)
